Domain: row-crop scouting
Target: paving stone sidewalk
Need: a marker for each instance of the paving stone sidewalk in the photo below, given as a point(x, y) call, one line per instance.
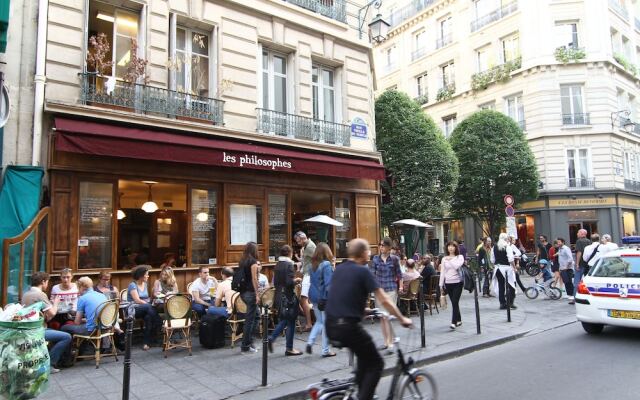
point(226, 373)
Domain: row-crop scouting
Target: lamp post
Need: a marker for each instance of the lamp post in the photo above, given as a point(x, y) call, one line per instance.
point(379, 27)
point(623, 118)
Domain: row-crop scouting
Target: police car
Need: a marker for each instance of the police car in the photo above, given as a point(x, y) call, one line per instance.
point(610, 293)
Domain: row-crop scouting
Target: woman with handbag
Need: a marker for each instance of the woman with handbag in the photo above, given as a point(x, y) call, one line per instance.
point(321, 273)
point(285, 300)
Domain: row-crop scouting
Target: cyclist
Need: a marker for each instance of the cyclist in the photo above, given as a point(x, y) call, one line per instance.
point(350, 287)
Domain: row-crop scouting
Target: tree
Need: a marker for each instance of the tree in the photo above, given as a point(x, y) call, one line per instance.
point(422, 169)
point(495, 160)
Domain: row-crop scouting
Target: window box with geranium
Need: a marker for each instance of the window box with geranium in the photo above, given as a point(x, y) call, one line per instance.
point(564, 54)
point(499, 73)
point(446, 92)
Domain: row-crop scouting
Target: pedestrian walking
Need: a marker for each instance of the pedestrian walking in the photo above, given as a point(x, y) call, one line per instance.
point(566, 266)
point(485, 264)
point(321, 273)
point(581, 264)
point(591, 253)
point(307, 250)
point(248, 294)
point(504, 273)
point(451, 281)
point(542, 251)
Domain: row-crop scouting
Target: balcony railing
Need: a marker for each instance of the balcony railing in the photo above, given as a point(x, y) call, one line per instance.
point(444, 41)
point(581, 183)
point(619, 8)
point(494, 16)
point(422, 99)
point(408, 11)
point(632, 185)
point(637, 22)
point(334, 9)
point(576, 119)
point(296, 126)
point(418, 53)
point(144, 99)
point(389, 68)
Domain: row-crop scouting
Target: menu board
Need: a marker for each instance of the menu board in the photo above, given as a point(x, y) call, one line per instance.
point(96, 218)
point(244, 223)
point(94, 209)
point(343, 215)
point(203, 212)
point(278, 228)
point(203, 225)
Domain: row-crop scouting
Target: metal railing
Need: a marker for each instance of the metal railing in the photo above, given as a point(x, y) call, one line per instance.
point(619, 8)
point(632, 185)
point(576, 119)
point(581, 183)
point(418, 53)
point(334, 9)
point(494, 15)
point(408, 11)
point(296, 126)
point(144, 99)
point(389, 68)
point(444, 40)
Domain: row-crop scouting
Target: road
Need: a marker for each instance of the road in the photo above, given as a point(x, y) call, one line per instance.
point(563, 363)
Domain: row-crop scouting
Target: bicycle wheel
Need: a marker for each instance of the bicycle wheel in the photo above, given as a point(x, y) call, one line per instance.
point(533, 270)
point(554, 293)
point(420, 385)
point(531, 292)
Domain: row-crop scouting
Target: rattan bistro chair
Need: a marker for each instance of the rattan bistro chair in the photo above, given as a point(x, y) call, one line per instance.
point(266, 300)
point(106, 318)
point(177, 319)
point(238, 311)
point(432, 298)
point(411, 296)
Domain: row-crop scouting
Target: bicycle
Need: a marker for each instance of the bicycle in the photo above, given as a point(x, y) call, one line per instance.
point(407, 383)
point(551, 292)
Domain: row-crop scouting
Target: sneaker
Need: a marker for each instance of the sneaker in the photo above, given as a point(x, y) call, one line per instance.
point(452, 326)
point(249, 350)
point(308, 349)
point(53, 370)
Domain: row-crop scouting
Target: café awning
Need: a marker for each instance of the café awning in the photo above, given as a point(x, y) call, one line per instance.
point(94, 138)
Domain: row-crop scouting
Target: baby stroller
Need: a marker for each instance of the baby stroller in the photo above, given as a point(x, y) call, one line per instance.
point(551, 291)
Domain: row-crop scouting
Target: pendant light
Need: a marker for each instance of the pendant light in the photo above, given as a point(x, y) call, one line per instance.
point(150, 206)
point(202, 216)
point(120, 214)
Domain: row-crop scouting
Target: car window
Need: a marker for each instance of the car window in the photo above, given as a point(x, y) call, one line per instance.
point(617, 267)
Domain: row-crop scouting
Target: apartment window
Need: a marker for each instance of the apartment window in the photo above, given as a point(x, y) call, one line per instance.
point(120, 27)
point(274, 81)
point(567, 34)
point(421, 85)
point(446, 27)
point(323, 93)
point(482, 56)
point(579, 168)
point(448, 125)
point(448, 74)
point(488, 106)
point(514, 108)
point(615, 41)
point(419, 40)
point(626, 47)
point(511, 48)
point(390, 54)
point(485, 7)
point(631, 166)
point(572, 105)
point(192, 62)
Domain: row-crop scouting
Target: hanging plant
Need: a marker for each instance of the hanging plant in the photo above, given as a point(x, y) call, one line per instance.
point(96, 56)
point(499, 73)
point(565, 54)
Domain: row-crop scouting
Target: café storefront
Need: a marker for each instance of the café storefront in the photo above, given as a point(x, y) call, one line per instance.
point(122, 194)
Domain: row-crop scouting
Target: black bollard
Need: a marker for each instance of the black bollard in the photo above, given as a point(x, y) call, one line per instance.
point(265, 343)
point(421, 309)
point(475, 298)
point(126, 374)
point(506, 294)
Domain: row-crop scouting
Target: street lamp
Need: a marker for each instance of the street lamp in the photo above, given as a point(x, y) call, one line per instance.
point(623, 118)
point(379, 27)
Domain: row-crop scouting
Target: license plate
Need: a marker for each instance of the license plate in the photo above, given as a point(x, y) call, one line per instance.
point(624, 314)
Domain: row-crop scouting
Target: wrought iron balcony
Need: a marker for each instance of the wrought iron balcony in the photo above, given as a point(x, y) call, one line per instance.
point(632, 185)
point(581, 183)
point(334, 9)
point(494, 15)
point(619, 8)
point(444, 41)
point(144, 99)
point(576, 119)
point(296, 126)
point(408, 11)
point(418, 53)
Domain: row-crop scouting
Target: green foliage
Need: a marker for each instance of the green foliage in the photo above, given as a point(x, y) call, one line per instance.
point(446, 92)
point(565, 54)
point(424, 99)
point(495, 160)
point(626, 64)
point(499, 73)
point(421, 166)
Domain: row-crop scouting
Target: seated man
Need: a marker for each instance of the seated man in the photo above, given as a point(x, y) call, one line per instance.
point(409, 275)
point(202, 290)
point(60, 341)
point(89, 303)
point(223, 294)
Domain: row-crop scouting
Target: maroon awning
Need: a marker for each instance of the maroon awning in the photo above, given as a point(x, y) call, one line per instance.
point(117, 141)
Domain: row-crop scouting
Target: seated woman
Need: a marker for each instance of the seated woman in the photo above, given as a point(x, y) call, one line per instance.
point(105, 287)
point(163, 286)
point(138, 293)
point(67, 294)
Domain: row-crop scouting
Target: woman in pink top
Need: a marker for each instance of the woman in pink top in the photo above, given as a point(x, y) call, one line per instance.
point(451, 282)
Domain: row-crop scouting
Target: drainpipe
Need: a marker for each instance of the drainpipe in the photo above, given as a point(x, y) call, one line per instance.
point(39, 80)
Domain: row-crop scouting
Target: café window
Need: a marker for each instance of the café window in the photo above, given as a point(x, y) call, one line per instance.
point(204, 219)
point(278, 224)
point(245, 223)
point(342, 213)
point(96, 210)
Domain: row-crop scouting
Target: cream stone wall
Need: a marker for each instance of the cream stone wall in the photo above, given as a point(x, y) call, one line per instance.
point(238, 30)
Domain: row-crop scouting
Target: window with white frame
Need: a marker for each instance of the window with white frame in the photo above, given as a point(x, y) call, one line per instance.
point(511, 47)
point(482, 56)
point(448, 74)
point(446, 27)
point(631, 166)
point(390, 55)
point(572, 105)
point(419, 41)
point(448, 125)
point(488, 106)
point(615, 41)
point(120, 27)
point(324, 93)
point(566, 34)
point(192, 62)
point(421, 85)
point(274, 81)
point(579, 167)
point(485, 7)
point(514, 108)
point(626, 47)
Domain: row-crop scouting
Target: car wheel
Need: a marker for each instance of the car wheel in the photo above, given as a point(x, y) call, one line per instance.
point(592, 328)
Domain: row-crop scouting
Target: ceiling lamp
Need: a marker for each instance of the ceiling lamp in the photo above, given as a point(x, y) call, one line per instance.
point(120, 214)
point(150, 206)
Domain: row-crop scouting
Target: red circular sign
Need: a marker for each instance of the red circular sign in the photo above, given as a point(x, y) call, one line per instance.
point(508, 200)
point(509, 211)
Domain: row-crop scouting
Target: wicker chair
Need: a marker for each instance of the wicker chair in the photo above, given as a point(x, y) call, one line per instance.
point(235, 320)
point(266, 299)
point(431, 298)
point(106, 318)
point(411, 296)
point(177, 319)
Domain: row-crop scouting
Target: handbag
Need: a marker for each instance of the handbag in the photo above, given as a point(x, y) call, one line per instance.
point(288, 307)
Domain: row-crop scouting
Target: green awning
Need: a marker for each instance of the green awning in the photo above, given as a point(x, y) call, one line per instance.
point(5, 5)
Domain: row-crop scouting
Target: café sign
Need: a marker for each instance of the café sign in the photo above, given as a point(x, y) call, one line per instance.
point(253, 161)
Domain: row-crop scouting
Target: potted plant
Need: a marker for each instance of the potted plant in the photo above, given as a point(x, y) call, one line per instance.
point(97, 65)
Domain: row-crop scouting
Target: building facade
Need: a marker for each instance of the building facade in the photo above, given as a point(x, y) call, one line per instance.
point(565, 71)
point(251, 117)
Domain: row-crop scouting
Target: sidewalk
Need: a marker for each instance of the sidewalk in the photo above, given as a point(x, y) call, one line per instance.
point(225, 373)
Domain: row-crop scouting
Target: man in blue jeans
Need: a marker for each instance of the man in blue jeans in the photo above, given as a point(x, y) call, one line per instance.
point(60, 341)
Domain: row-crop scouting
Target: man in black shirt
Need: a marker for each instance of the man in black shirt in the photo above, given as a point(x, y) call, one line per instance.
point(350, 287)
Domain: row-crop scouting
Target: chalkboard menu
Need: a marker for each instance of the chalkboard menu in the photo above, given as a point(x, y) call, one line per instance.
point(278, 228)
point(96, 211)
point(203, 225)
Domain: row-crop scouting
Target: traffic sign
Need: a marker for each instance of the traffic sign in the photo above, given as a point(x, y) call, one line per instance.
point(512, 230)
point(509, 210)
point(508, 200)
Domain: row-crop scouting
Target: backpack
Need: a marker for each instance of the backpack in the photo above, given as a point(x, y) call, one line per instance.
point(467, 278)
point(239, 281)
